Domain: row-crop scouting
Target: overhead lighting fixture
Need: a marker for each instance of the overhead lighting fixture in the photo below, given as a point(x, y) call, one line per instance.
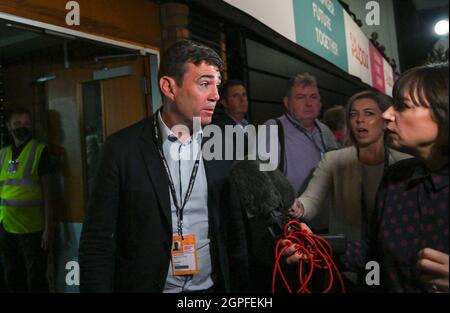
point(51, 32)
point(46, 78)
point(39, 30)
point(23, 27)
point(441, 28)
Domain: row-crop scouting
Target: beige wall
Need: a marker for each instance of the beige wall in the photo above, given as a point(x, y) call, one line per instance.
point(278, 15)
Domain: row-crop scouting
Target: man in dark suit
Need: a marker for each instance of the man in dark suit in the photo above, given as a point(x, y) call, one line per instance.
point(235, 104)
point(154, 189)
point(233, 98)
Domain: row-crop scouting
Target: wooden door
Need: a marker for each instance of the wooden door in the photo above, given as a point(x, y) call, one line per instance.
point(126, 94)
point(117, 97)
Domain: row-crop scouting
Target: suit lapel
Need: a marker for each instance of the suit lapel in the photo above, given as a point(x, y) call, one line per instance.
point(229, 120)
point(155, 169)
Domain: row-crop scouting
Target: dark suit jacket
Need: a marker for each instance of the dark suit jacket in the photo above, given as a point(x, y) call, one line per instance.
point(127, 235)
point(222, 120)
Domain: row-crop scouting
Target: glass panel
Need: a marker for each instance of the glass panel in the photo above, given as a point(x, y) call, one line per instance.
point(93, 129)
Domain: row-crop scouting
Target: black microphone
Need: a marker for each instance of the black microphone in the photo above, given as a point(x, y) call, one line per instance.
point(261, 191)
point(265, 198)
point(263, 194)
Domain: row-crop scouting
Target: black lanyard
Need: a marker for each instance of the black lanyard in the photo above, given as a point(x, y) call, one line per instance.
point(311, 138)
point(179, 209)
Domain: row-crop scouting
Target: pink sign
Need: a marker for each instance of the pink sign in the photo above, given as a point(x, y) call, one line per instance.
point(377, 68)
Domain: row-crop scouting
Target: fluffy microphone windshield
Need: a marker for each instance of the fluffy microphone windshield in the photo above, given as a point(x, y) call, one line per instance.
point(260, 192)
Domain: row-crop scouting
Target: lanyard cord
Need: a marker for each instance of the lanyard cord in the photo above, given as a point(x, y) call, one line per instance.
point(179, 209)
point(311, 138)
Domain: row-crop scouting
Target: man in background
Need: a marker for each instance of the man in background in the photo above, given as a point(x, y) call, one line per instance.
point(26, 208)
point(235, 104)
point(302, 138)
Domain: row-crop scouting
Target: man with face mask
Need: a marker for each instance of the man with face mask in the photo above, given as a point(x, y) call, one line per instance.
point(26, 219)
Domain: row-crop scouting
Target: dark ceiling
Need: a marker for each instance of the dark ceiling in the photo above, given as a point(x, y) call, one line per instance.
point(415, 20)
point(429, 4)
point(17, 39)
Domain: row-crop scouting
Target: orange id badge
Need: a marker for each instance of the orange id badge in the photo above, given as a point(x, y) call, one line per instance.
point(184, 256)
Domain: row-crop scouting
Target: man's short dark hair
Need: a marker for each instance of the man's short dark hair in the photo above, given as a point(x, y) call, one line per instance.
point(230, 83)
point(17, 111)
point(174, 61)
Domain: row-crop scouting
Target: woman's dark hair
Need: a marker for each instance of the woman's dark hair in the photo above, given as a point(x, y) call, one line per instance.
point(427, 86)
point(383, 102)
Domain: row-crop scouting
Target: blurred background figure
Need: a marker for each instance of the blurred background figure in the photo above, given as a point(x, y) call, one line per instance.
point(334, 118)
point(26, 208)
point(233, 112)
point(234, 102)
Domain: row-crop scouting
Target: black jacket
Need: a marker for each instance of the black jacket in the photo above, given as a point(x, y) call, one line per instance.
point(127, 235)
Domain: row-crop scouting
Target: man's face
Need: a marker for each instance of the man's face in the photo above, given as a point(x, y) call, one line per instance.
point(236, 102)
point(18, 121)
point(19, 126)
point(303, 103)
point(198, 94)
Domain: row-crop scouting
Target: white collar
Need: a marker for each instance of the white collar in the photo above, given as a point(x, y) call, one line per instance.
point(168, 134)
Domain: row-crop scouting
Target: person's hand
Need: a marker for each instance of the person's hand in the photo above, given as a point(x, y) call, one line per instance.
point(433, 267)
point(296, 210)
point(293, 256)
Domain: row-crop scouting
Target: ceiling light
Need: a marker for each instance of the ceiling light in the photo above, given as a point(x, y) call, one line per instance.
point(441, 28)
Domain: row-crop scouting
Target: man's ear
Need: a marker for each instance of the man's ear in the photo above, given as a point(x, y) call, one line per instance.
point(286, 102)
point(167, 83)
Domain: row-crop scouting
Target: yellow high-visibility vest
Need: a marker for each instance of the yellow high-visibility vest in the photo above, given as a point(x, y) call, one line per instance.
point(21, 198)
